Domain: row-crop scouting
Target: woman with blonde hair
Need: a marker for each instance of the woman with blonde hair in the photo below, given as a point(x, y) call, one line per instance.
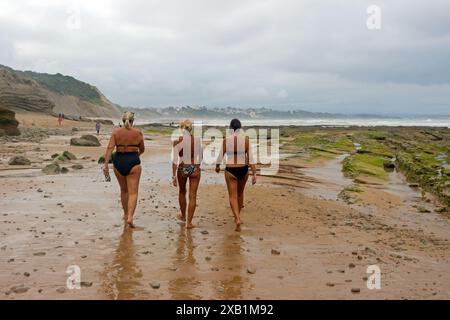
point(129, 145)
point(186, 159)
point(239, 157)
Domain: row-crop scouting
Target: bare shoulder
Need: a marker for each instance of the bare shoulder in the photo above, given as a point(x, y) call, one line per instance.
point(115, 131)
point(136, 130)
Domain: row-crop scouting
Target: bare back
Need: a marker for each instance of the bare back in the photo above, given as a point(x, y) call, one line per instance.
point(128, 140)
point(189, 149)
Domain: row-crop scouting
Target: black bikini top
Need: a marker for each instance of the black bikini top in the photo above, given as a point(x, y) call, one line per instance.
point(127, 145)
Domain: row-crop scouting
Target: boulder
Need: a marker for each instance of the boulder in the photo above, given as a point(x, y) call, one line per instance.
point(19, 161)
point(53, 168)
point(8, 123)
point(69, 155)
point(85, 141)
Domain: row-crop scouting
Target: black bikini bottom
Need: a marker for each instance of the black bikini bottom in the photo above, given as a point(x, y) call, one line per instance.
point(125, 161)
point(238, 172)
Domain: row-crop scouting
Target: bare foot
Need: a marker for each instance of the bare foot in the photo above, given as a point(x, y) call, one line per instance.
point(181, 217)
point(190, 226)
point(130, 224)
point(238, 226)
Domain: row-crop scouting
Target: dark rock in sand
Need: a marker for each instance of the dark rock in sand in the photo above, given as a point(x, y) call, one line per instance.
point(64, 170)
point(53, 168)
point(155, 285)
point(8, 123)
point(77, 167)
point(69, 155)
point(85, 284)
point(356, 290)
point(251, 270)
point(19, 161)
point(61, 290)
point(275, 252)
point(85, 141)
point(19, 289)
point(389, 165)
point(61, 159)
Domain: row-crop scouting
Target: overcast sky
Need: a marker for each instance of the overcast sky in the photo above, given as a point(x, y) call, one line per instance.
point(285, 54)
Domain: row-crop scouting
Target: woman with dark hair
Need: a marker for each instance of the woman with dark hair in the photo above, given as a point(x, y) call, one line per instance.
point(237, 148)
point(129, 145)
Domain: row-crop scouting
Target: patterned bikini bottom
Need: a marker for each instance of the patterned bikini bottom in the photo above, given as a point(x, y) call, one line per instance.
point(188, 169)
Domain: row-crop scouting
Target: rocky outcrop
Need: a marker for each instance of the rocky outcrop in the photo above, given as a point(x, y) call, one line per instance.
point(52, 168)
point(8, 123)
point(19, 161)
point(31, 91)
point(85, 141)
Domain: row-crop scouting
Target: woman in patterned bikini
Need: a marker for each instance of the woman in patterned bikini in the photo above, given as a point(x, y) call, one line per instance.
point(187, 156)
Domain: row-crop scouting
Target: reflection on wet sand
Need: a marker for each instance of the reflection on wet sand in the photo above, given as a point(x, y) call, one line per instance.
point(184, 260)
point(122, 277)
point(232, 282)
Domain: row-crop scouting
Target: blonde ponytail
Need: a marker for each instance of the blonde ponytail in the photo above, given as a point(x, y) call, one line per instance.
point(128, 119)
point(186, 124)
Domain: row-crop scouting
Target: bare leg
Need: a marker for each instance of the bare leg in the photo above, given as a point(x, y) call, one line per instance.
point(182, 180)
point(241, 187)
point(232, 185)
point(123, 193)
point(133, 188)
point(194, 181)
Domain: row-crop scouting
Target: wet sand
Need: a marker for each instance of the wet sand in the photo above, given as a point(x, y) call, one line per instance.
point(299, 240)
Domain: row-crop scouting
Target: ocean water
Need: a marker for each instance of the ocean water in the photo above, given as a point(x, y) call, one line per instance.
point(341, 122)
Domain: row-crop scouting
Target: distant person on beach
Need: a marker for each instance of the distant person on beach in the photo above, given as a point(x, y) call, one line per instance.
point(97, 127)
point(238, 150)
point(59, 119)
point(129, 145)
point(186, 159)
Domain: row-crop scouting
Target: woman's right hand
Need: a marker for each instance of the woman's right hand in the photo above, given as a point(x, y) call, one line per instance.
point(174, 181)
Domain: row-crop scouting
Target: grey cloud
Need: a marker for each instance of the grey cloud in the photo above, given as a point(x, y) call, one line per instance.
point(316, 55)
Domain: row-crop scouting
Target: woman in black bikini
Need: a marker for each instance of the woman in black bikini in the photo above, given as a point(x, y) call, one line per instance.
point(186, 159)
point(239, 156)
point(129, 144)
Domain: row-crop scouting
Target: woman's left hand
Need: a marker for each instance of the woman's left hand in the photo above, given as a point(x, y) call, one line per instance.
point(254, 179)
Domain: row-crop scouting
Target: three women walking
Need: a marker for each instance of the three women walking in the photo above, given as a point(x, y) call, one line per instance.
point(187, 156)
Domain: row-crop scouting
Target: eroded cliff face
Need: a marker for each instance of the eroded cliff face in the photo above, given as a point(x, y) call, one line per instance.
point(19, 92)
